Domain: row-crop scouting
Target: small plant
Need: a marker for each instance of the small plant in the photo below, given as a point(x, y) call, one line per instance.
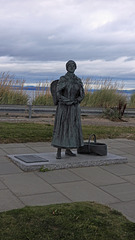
point(115, 113)
point(43, 169)
point(111, 114)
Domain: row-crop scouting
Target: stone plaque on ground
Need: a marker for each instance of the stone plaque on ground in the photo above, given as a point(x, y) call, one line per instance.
point(31, 158)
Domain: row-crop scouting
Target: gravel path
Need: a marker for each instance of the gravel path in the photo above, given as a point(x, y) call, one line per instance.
point(88, 120)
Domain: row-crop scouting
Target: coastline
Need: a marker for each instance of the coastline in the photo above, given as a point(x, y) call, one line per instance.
point(36, 88)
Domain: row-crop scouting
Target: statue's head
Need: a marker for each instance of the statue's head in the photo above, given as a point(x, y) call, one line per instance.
point(70, 63)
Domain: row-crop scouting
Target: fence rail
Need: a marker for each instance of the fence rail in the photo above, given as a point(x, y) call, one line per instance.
point(30, 110)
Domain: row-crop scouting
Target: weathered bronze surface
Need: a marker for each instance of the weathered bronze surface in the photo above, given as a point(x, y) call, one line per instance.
point(67, 127)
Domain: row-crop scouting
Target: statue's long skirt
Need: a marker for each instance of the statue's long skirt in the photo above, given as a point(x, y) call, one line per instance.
point(67, 127)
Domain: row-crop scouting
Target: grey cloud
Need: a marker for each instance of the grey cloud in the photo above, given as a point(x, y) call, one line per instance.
point(56, 30)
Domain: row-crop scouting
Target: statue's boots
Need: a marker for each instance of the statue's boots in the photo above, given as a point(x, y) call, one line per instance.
point(69, 153)
point(58, 155)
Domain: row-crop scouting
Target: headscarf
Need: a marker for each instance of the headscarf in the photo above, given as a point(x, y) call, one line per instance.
point(69, 62)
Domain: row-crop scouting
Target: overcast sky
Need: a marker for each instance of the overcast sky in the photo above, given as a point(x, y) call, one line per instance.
point(37, 37)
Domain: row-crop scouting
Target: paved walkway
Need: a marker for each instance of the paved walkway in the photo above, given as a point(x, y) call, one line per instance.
point(112, 185)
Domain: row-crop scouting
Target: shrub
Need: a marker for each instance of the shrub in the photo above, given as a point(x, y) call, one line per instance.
point(112, 114)
point(43, 99)
point(8, 95)
point(106, 95)
point(87, 101)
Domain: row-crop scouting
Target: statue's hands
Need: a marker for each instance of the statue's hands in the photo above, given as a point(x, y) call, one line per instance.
point(68, 102)
point(72, 102)
point(75, 101)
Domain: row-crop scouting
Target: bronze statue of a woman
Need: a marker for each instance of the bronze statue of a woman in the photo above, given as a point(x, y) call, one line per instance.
point(67, 131)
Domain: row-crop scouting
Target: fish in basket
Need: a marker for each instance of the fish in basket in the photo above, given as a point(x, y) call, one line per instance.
point(93, 147)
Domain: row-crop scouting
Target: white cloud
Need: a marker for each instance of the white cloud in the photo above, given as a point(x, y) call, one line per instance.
point(119, 67)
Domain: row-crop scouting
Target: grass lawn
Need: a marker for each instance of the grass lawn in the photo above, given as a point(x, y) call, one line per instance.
point(75, 221)
point(34, 132)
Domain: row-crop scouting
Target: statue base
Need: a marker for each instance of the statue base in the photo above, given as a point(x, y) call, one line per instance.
point(48, 161)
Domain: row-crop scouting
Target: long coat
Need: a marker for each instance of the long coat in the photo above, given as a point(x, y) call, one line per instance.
point(67, 127)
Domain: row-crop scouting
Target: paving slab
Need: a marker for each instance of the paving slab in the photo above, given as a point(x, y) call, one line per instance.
point(12, 145)
point(125, 140)
point(59, 176)
point(121, 140)
point(26, 184)
point(18, 150)
point(84, 191)
point(4, 159)
point(123, 191)
point(97, 176)
point(8, 201)
point(2, 186)
point(131, 164)
point(130, 157)
point(116, 151)
point(128, 142)
point(38, 144)
point(119, 170)
point(50, 162)
point(119, 145)
point(9, 168)
point(130, 150)
point(126, 208)
point(130, 178)
point(43, 149)
point(44, 199)
point(2, 153)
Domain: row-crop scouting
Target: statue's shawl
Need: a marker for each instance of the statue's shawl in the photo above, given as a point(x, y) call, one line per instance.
point(53, 88)
point(60, 84)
